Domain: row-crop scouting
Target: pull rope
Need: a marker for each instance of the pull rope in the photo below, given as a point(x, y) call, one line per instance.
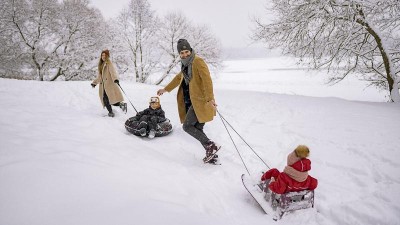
point(223, 121)
point(230, 136)
point(127, 98)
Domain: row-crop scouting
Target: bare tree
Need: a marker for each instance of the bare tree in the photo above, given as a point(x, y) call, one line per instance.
point(206, 45)
point(176, 26)
point(80, 35)
point(138, 25)
point(117, 44)
point(33, 23)
point(49, 39)
point(173, 27)
point(344, 36)
point(10, 66)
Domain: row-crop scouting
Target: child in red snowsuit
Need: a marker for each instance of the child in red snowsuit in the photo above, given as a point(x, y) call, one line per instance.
point(295, 175)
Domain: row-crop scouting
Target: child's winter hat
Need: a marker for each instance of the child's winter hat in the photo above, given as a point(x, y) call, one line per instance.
point(302, 151)
point(155, 99)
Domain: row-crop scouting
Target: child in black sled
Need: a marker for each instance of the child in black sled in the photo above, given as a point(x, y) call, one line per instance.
point(150, 117)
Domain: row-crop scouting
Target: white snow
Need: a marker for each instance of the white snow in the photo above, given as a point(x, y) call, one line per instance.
point(62, 161)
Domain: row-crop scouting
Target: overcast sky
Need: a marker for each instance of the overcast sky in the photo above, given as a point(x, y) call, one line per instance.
point(230, 20)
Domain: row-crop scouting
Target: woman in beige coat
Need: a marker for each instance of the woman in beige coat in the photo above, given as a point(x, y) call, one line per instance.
point(109, 92)
point(196, 104)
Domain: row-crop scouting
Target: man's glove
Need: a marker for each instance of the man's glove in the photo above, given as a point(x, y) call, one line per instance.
point(116, 81)
point(93, 85)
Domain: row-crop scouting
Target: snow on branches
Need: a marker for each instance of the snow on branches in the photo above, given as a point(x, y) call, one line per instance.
point(343, 36)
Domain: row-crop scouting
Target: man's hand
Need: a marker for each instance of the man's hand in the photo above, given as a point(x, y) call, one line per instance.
point(161, 92)
point(213, 104)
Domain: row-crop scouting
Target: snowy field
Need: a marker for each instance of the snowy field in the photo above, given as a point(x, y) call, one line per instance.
point(63, 162)
point(282, 75)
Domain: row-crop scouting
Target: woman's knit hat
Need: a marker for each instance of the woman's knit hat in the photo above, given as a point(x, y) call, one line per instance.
point(107, 52)
point(302, 151)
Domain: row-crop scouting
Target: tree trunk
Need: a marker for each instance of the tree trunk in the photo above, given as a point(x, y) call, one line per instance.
point(136, 67)
point(170, 67)
point(384, 54)
point(39, 72)
point(395, 95)
point(162, 78)
point(57, 75)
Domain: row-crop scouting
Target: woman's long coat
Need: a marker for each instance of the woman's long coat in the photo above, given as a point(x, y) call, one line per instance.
point(200, 91)
point(106, 80)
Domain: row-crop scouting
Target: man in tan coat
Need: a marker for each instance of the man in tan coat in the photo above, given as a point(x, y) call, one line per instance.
point(196, 104)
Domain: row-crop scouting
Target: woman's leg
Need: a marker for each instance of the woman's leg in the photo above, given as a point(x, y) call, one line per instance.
point(107, 102)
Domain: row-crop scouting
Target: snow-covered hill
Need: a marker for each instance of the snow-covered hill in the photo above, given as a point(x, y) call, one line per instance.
point(62, 161)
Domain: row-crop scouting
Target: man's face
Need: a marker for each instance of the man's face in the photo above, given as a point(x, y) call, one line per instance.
point(184, 54)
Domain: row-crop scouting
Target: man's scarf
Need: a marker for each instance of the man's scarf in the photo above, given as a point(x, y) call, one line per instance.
point(187, 63)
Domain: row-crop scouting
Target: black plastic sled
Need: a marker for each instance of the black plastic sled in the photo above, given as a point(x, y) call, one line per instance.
point(163, 128)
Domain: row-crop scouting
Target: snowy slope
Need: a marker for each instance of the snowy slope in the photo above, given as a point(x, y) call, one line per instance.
point(62, 162)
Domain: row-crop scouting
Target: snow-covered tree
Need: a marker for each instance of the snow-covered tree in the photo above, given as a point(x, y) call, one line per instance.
point(10, 66)
point(206, 45)
point(32, 25)
point(120, 53)
point(175, 26)
point(137, 24)
point(81, 33)
point(47, 39)
point(52, 39)
point(344, 36)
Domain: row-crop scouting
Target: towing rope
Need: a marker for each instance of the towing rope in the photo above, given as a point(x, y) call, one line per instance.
point(224, 122)
point(127, 98)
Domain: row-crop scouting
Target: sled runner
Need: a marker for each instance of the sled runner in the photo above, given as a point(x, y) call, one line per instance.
point(163, 128)
point(257, 194)
point(278, 204)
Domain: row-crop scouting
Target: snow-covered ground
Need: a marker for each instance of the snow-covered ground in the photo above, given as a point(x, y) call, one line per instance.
point(62, 161)
point(282, 75)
